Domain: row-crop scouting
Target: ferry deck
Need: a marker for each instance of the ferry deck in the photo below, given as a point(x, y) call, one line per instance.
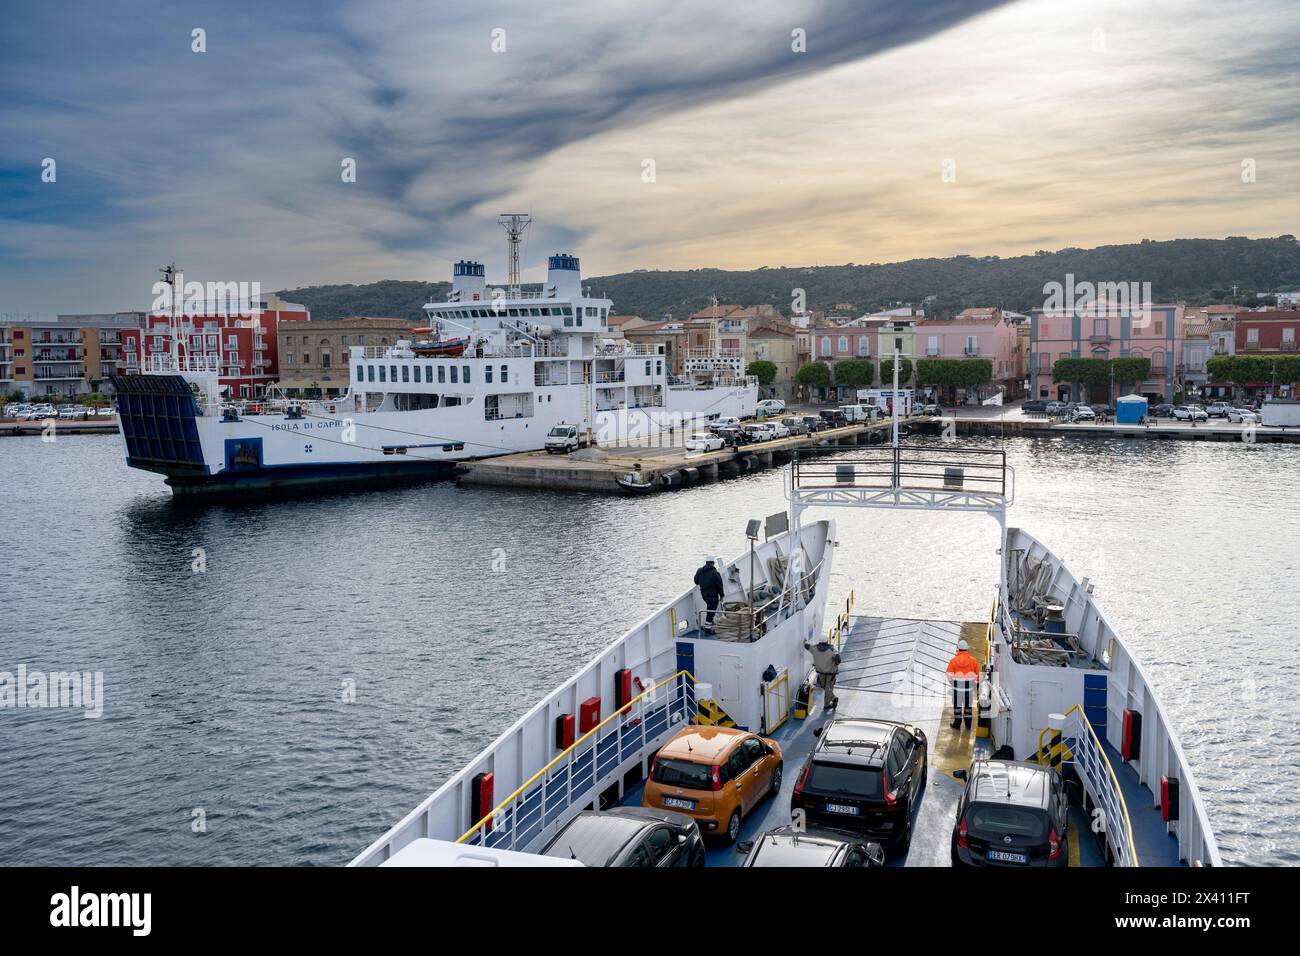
point(878, 656)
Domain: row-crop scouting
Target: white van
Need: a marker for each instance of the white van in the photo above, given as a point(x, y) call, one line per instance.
point(860, 413)
point(770, 406)
point(563, 439)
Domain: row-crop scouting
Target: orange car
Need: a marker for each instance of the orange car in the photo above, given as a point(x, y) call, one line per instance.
point(714, 774)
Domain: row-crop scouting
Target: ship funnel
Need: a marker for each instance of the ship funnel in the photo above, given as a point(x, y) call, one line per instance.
point(564, 276)
point(467, 282)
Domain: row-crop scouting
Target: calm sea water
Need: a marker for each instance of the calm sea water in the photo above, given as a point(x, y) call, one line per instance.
point(449, 611)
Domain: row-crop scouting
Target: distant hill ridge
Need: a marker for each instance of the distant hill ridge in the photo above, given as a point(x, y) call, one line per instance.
point(1198, 270)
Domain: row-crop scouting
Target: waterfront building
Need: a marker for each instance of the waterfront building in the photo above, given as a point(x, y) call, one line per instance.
point(778, 343)
point(1102, 332)
point(975, 333)
point(313, 355)
point(243, 350)
point(64, 355)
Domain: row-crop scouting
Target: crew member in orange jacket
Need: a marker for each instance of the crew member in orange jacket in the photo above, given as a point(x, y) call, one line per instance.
point(964, 672)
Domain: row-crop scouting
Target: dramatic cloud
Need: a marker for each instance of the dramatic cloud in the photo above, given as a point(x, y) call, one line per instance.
point(1064, 126)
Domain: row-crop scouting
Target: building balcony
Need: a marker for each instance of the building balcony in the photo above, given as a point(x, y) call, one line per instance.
point(1099, 338)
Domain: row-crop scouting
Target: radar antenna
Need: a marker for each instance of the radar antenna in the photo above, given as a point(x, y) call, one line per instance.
point(515, 225)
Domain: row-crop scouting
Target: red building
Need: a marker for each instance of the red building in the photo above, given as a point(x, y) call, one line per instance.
point(1267, 332)
point(242, 347)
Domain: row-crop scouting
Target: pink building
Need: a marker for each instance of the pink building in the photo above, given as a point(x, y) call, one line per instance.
point(1097, 332)
point(976, 333)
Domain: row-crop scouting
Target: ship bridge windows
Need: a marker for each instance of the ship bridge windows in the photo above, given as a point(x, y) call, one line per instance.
point(383, 373)
point(442, 373)
point(453, 374)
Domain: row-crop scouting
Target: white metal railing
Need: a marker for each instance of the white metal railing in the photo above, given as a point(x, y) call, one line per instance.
point(164, 363)
point(1098, 776)
point(577, 777)
point(630, 348)
point(720, 354)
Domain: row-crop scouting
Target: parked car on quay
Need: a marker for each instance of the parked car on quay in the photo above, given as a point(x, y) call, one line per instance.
point(770, 406)
point(704, 441)
point(835, 417)
point(730, 435)
point(1218, 409)
point(816, 423)
point(755, 432)
point(1034, 406)
point(1190, 413)
point(106, 411)
point(795, 424)
point(1082, 413)
point(1056, 408)
point(715, 775)
point(1102, 410)
point(865, 776)
point(1011, 814)
point(727, 421)
point(1163, 410)
point(788, 846)
point(629, 837)
point(1244, 415)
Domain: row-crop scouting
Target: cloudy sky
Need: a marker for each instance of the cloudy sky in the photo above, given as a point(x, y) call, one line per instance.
point(638, 135)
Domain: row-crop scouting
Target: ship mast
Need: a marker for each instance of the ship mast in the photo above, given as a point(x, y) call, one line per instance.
point(172, 276)
point(515, 225)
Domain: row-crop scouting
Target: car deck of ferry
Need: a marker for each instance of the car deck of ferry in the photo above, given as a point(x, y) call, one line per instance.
point(875, 653)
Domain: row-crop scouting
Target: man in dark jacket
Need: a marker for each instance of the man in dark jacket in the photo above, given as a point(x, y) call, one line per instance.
point(709, 581)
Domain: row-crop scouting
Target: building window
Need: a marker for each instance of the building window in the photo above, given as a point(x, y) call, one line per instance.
point(932, 345)
point(1160, 327)
point(288, 358)
point(1252, 336)
point(826, 346)
point(864, 346)
point(844, 344)
point(325, 360)
point(1288, 337)
point(1100, 327)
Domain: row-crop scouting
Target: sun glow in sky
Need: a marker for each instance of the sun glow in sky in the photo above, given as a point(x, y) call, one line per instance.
point(904, 130)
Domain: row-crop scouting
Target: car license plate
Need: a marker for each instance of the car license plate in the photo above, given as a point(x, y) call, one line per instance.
point(677, 803)
point(1002, 856)
point(841, 808)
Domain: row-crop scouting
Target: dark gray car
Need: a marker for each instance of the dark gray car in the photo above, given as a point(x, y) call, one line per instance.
point(786, 846)
point(1011, 814)
point(630, 836)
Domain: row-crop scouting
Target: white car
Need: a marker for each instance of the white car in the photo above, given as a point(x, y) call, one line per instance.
point(1083, 414)
point(1218, 409)
point(770, 406)
point(1243, 415)
point(105, 412)
point(726, 421)
point(1190, 413)
point(778, 430)
point(704, 441)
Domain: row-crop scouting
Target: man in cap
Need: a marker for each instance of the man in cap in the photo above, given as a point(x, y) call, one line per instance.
point(964, 672)
point(826, 662)
point(709, 581)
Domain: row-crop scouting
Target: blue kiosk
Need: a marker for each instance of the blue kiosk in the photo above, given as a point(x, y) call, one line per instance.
point(1130, 410)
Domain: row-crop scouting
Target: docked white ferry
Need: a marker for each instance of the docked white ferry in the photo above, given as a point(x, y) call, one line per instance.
point(1061, 699)
point(492, 374)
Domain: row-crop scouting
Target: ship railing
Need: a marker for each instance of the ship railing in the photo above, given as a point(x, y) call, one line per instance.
point(911, 475)
point(164, 363)
point(1086, 753)
point(577, 776)
point(630, 348)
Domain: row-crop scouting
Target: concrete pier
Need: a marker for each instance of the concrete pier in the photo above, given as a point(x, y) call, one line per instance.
point(597, 469)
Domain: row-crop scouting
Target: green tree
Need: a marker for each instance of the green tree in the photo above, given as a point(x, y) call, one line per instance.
point(854, 373)
point(814, 375)
point(887, 372)
point(763, 370)
point(1129, 370)
point(1081, 371)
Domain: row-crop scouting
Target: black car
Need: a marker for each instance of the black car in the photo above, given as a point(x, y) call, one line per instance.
point(630, 836)
point(835, 418)
point(815, 423)
point(864, 775)
point(1035, 406)
point(1162, 411)
point(1012, 814)
point(787, 846)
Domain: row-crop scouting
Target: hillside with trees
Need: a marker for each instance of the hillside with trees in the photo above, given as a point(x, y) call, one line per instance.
point(1197, 270)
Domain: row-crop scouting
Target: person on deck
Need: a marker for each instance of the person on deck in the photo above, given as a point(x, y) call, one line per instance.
point(964, 673)
point(826, 662)
point(709, 581)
